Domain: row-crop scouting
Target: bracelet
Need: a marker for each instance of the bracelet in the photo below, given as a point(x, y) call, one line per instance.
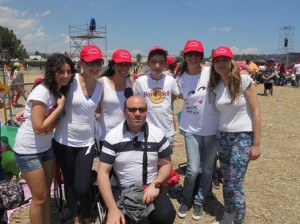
point(158, 185)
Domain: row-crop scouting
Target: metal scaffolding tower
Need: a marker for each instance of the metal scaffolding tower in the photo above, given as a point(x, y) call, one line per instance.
point(81, 35)
point(286, 39)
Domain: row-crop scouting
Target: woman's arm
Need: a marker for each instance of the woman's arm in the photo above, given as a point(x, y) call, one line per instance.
point(252, 100)
point(41, 121)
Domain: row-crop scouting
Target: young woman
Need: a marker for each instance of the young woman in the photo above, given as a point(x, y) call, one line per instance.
point(238, 138)
point(114, 81)
point(199, 122)
point(33, 145)
point(74, 143)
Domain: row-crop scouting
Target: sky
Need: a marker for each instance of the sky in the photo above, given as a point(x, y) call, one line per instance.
point(247, 27)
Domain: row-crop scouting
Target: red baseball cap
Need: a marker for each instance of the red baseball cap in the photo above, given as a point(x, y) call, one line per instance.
point(193, 45)
point(222, 51)
point(170, 60)
point(157, 48)
point(38, 81)
point(90, 53)
point(121, 55)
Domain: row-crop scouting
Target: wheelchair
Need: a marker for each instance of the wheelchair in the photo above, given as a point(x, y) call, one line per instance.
point(98, 205)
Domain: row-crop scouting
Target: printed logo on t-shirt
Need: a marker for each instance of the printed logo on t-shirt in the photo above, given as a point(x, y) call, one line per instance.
point(157, 95)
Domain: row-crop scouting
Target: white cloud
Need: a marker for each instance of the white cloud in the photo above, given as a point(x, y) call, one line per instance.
point(221, 29)
point(248, 50)
point(27, 28)
point(225, 29)
point(16, 20)
point(46, 13)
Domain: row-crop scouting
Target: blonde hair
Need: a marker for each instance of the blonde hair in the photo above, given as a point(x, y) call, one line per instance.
point(233, 81)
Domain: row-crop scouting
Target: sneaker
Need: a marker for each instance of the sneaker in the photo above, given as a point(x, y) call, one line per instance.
point(227, 219)
point(182, 211)
point(198, 211)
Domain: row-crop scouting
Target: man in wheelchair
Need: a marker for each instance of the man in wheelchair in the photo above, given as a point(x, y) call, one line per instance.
point(139, 154)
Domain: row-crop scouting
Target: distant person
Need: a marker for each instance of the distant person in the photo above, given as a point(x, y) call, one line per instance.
point(123, 151)
point(297, 74)
point(250, 70)
point(239, 132)
point(33, 143)
point(16, 85)
point(170, 66)
point(281, 74)
point(268, 76)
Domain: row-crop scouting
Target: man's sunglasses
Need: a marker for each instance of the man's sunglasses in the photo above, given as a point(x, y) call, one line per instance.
point(142, 110)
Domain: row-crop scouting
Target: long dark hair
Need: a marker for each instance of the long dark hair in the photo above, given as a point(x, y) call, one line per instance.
point(52, 66)
point(109, 71)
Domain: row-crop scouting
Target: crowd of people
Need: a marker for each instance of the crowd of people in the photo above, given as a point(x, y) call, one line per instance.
point(129, 124)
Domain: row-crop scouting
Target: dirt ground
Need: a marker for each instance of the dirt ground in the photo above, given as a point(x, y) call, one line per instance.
point(272, 184)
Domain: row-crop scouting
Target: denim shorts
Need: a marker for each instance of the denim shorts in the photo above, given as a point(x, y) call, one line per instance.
point(29, 162)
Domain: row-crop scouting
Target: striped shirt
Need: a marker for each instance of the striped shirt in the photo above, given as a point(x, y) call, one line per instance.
point(124, 150)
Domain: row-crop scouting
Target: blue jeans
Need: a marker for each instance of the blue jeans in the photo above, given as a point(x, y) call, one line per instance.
point(201, 154)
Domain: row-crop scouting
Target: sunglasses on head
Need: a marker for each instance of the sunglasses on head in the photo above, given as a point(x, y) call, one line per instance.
point(94, 62)
point(134, 109)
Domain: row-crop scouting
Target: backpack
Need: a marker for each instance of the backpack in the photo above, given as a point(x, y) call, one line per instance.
point(11, 194)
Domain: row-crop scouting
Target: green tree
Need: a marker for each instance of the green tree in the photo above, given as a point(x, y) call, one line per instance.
point(11, 45)
point(138, 58)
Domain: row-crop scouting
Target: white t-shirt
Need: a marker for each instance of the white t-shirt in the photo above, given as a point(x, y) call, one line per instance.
point(297, 69)
point(158, 96)
point(234, 117)
point(27, 142)
point(76, 127)
point(112, 104)
point(199, 115)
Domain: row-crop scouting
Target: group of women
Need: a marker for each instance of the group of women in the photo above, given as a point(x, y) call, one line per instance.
point(220, 111)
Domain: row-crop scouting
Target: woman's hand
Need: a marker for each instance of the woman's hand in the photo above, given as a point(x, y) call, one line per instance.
point(61, 102)
point(20, 116)
point(254, 152)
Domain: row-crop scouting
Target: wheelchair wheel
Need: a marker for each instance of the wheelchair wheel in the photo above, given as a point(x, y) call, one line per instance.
point(57, 188)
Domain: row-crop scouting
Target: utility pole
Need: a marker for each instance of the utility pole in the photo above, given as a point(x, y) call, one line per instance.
point(46, 47)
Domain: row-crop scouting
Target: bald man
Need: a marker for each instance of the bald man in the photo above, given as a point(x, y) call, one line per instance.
point(123, 151)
